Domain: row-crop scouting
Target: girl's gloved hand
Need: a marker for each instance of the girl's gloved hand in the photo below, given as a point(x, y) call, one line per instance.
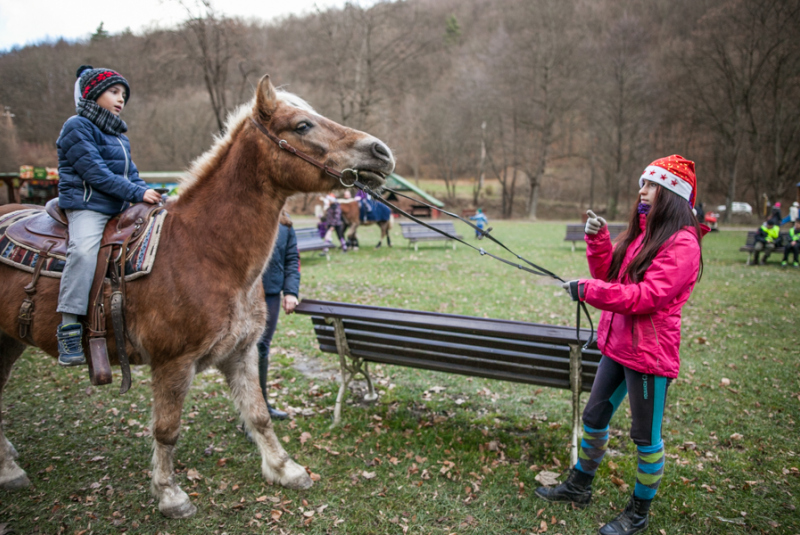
point(594, 223)
point(574, 289)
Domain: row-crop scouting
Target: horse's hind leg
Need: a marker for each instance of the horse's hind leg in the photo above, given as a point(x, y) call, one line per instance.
point(12, 477)
point(171, 382)
point(241, 372)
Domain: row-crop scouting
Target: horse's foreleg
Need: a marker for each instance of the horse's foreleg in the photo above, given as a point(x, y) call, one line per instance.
point(241, 372)
point(12, 477)
point(170, 385)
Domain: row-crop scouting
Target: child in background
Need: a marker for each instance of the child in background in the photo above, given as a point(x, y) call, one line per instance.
point(97, 180)
point(641, 285)
point(793, 246)
point(480, 221)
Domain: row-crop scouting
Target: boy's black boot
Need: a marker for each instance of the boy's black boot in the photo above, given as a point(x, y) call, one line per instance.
point(632, 520)
point(577, 489)
point(70, 346)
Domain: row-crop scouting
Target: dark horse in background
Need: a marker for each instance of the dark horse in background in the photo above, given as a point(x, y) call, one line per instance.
point(366, 211)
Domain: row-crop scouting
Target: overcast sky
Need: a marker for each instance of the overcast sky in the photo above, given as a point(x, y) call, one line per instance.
point(25, 22)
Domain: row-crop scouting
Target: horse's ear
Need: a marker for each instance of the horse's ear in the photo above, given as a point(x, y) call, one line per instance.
point(266, 99)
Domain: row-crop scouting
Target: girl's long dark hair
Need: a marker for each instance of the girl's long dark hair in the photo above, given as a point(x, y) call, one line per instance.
point(669, 214)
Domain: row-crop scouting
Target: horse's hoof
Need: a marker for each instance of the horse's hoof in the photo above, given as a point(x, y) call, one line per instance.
point(378, 246)
point(299, 483)
point(182, 510)
point(175, 503)
point(19, 482)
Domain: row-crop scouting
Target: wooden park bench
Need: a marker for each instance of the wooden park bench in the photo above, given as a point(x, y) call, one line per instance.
point(750, 243)
point(529, 353)
point(575, 232)
point(415, 233)
point(308, 240)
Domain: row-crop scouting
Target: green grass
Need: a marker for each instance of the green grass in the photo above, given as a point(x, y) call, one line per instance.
point(461, 458)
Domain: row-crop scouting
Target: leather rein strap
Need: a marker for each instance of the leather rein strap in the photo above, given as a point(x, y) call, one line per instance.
point(530, 268)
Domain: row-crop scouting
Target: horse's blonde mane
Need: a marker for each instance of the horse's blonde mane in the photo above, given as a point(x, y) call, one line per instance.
point(208, 161)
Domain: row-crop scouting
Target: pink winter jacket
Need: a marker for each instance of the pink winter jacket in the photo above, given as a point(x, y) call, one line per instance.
point(640, 326)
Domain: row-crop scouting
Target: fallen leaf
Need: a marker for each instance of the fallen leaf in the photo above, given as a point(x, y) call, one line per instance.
point(276, 515)
point(737, 436)
point(724, 381)
point(193, 475)
point(547, 478)
point(368, 475)
point(304, 437)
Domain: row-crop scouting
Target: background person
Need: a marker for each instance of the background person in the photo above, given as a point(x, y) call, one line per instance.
point(793, 246)
point(641, 285)
point(765, 239)
point(281, 276)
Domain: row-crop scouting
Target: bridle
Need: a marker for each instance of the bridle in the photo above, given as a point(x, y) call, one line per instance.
point(530, 267)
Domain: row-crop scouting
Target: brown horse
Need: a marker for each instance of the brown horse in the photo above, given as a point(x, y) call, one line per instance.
point(351, 216)
point(203, 304)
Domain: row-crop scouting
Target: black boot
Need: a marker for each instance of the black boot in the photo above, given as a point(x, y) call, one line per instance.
point(276, 414)
point(632, 520)
point(577, 489)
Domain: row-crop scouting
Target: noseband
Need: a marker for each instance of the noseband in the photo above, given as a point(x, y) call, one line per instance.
point(530, 268)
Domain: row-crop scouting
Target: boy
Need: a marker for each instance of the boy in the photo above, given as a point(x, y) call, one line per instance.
point(766, 236)
point(793, 246)
point(97, 180)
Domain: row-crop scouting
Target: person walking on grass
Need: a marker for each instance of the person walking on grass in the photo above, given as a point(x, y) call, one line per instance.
point(793, 246)
point(97, 180)
point(281, 276)
point(641, 285)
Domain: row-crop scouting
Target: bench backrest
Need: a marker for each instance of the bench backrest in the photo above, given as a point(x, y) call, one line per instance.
point(751, 238)
point(496, 349)
point(308, 239)
point(415, 230)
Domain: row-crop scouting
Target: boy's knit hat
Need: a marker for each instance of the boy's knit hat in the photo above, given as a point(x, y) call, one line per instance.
point(92, 82)
point(675, 173)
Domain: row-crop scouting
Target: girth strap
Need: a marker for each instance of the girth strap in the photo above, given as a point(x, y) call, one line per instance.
point(25, 317)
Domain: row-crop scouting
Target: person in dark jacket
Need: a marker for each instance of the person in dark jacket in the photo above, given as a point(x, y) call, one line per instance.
point(766, 240)
point(281, 276)
point(97, 180)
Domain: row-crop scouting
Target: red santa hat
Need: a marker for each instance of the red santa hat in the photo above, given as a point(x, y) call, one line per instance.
point(675, 173)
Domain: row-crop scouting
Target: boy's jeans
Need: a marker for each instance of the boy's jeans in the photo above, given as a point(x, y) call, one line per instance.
point(85, 233)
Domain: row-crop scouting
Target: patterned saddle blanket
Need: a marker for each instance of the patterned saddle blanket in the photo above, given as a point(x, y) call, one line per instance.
point(24, 233)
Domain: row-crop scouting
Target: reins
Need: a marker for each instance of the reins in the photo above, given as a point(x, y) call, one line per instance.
point(530, 268)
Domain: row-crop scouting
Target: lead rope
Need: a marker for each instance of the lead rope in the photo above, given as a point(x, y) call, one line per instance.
point(537, 270)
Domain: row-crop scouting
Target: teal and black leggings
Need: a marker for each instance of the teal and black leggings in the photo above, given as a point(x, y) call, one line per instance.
point(647, 395)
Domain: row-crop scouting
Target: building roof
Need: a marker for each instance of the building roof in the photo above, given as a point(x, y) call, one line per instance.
point(396, 182)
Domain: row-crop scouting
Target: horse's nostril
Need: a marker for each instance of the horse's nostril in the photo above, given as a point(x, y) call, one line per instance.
point(381, 151)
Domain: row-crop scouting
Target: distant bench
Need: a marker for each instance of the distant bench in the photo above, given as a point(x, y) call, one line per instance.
point(750, 243)
point(415, 233)
point(576, 232)
point(530, 353)
point(308, 240)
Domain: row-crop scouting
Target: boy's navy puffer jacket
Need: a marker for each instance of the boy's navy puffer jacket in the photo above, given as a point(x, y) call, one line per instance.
point(283, 270)
point(95, 169)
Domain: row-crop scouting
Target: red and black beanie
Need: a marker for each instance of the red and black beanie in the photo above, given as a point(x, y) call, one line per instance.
point(92, 82)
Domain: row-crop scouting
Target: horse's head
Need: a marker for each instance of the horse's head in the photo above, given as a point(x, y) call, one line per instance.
point(287, 117)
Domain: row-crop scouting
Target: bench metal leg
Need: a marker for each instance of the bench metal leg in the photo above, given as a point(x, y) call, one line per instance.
point(573, 247)
point(416, 244)
point(575, 370)
point(349, 366)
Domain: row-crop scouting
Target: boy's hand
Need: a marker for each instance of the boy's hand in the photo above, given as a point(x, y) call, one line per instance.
point(152, 197)
point(594, 223)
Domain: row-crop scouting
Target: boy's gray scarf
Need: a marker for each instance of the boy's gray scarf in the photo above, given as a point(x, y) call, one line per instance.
point(105, 120)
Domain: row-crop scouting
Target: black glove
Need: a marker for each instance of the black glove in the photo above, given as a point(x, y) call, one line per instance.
point(574, 289)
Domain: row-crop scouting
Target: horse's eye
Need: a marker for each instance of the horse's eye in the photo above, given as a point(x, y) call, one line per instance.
point(303, 128)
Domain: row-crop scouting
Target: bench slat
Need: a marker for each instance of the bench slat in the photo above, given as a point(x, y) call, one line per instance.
point(515, 330)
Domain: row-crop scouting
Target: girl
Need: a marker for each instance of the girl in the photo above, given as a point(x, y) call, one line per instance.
point(97, 180)
point(641, 285)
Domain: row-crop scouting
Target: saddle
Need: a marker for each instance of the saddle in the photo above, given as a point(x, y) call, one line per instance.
point(47, 234)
